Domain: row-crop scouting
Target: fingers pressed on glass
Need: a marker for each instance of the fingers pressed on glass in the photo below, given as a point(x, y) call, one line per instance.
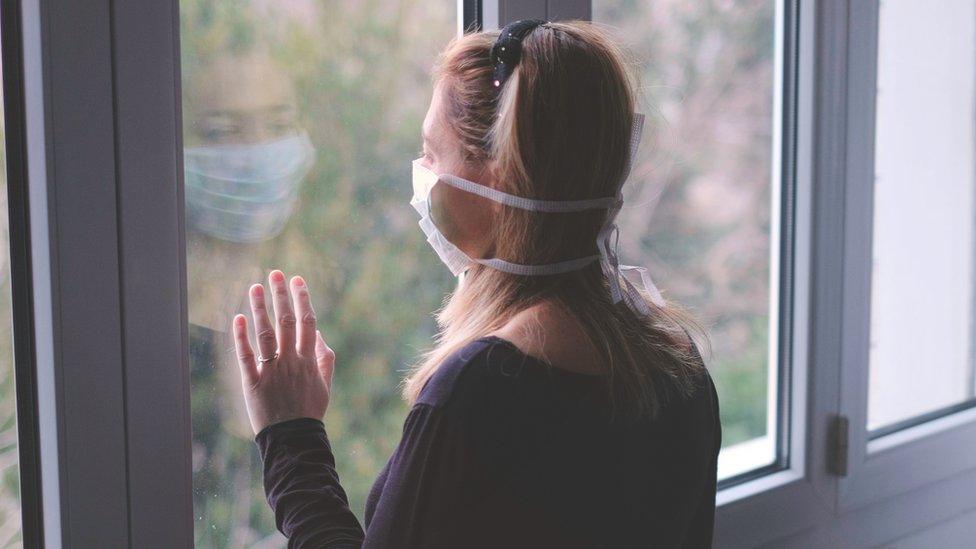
point(305, 315)
point(284, 314)
point(263, 329)
point(245, 355)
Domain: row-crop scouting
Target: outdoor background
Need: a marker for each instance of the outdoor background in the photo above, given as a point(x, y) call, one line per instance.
point(354, 74)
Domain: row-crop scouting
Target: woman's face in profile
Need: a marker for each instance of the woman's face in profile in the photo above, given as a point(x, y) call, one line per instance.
point(464, 218)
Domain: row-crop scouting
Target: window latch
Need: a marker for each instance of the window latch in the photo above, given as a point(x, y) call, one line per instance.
point(837, 460)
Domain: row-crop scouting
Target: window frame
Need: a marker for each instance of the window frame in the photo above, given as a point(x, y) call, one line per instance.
point(116, 147)
point(859, 492)
point(925, 453)
point(801, 494)
point(498, 13)
point(102, 127)
point(101, 236)
point(28, 446)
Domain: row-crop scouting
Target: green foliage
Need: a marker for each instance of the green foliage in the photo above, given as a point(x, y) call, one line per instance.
point(360, 72)
point(10, 534)
point(361, 76)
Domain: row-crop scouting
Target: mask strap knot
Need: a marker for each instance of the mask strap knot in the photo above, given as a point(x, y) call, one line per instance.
point(624, 280)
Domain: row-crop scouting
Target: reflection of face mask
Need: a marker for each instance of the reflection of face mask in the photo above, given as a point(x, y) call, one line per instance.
point(246, 192)
point(425, 181)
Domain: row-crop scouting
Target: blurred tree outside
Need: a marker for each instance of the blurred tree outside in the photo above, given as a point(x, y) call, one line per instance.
point(361, 82)
point(10, 527)
point(357, 76)
point(706, 74)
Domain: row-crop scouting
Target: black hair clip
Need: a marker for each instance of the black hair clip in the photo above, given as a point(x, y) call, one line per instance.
point(507, 50)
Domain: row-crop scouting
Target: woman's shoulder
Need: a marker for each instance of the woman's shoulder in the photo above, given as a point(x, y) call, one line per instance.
point(487, 366)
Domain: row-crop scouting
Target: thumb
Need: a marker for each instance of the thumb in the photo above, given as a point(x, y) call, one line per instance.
point(324, 358)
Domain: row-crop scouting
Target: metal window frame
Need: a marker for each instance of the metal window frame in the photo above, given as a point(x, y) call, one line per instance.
point(20, 276)
point(104, 179)
point(103, 280)
point(469, 16)
point(893, 485)
point(924, 453)
point(498, 13)
point(802, 494)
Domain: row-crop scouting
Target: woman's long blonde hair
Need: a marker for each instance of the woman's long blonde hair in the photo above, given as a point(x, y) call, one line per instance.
point(558, 130)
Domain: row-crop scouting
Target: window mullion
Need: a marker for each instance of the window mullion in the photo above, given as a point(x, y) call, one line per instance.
point(569, 9)
point(74, 236)
point(103, 143)
point(498, 13)
point(153, 274)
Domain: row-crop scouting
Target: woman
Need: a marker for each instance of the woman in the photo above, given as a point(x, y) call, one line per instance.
point(563, 406)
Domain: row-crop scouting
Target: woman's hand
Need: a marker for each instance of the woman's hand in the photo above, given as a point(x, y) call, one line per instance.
point(292, 375)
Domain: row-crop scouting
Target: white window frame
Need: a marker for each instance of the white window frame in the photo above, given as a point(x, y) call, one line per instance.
point(929, 453)
point(103, 174)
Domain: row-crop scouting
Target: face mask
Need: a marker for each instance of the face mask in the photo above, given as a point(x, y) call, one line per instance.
point(245, 193)
point(623, 279)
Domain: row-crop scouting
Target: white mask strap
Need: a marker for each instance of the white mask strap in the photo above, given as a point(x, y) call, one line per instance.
point(612, 269)
point(539, 270)
point(530, 204)
point(619, 277)
point(554, 206)
point(636, 132)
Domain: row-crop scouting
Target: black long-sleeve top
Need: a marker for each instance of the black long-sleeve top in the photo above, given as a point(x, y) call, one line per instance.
point(502, 450)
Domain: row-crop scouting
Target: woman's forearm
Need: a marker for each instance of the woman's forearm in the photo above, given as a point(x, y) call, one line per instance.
point(302, 486)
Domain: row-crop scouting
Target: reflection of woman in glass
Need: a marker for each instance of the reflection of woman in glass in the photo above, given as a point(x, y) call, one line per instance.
point(565, 404)
point(245, 159)
point(243, 175)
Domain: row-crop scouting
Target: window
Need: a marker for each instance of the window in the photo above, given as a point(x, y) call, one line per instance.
point(10, 520)
point(903, 325)
point(809, 166)
point(709, 173)
point(300, 120)
point(922, 307)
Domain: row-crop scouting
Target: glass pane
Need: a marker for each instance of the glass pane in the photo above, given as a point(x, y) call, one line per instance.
point(922, 306)
point(708, 86)
point(10, 524)
point(300, 121)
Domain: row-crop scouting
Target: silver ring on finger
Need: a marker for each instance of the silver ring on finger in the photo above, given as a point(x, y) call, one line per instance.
point(264, 360)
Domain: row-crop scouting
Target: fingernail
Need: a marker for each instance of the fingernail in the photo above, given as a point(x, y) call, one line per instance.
point(277, 276)
point(300, 281)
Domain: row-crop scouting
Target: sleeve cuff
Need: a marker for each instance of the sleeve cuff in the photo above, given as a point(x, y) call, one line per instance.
point(302, 425)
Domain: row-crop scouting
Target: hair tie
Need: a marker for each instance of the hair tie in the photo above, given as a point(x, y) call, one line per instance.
point(507, 50)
